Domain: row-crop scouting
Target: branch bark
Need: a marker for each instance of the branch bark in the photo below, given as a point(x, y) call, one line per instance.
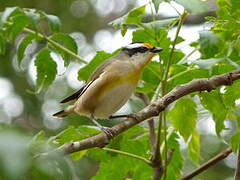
point(206, 165)
point(153, 109)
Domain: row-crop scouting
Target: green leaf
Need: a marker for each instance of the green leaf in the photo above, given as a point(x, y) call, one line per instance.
point(132, 17)
point(34, 16)
point(151, 74)
point(235, 143)
point(159, 24)
point(17, 25)
point(156, 4)
point(176, 164)
point(148, 35)
point(68, 135)
point(74, 134)
point(207, 63)
point(180, 75)
point(23, 45)
point(54, 23)
point(194, 6)
point(231, 94)
point(7, 13)
point(68, 42)
point(38, 137)
point(2, 44)
point(214, 103)
point(194, 148)
point(179, 40)
point(147, 88)
point(144, 36)
point(183, 117)
point(78, 155)
point(221, 68)
point(135, 15)
point(85, 72)
point(210, 44)
point(46, 69)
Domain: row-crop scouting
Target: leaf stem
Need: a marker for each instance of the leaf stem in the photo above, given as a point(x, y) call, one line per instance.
point(128, 154)
point(183, 60)
point(169, 63)
point(27, 30)
point(180, 74)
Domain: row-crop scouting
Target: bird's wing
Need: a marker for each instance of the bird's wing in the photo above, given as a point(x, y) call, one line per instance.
point(93, 77)
point(101, 69)
point(77, 94)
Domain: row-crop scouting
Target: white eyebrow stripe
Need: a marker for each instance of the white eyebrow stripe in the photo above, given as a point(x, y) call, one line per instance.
point(135, 45)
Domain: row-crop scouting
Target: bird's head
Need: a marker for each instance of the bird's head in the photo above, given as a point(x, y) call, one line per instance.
point(140, 53)
point(140, 49)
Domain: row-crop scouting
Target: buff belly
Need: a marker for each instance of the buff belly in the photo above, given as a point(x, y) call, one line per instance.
point(113, 100)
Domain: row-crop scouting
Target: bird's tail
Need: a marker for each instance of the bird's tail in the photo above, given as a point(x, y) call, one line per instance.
point(65, 112)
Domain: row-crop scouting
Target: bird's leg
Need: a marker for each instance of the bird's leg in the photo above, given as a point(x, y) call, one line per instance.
point(107, 131)
point(124, 116)
point(119, 116)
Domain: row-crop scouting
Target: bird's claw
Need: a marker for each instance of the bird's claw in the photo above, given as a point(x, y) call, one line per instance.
point(108, 132)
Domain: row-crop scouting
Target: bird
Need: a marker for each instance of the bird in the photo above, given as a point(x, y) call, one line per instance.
point(111, 84)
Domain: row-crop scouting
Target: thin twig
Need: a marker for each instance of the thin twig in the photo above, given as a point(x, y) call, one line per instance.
point(169, 63)
point(180, 74)
point(27, 30)
point(208, 164)
point(128, 154)
point(184, 59)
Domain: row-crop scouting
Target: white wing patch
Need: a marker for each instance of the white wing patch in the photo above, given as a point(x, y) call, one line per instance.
point(135, 45)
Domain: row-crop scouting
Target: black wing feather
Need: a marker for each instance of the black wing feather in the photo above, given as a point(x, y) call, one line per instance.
point(77, 94)
point(73, 96)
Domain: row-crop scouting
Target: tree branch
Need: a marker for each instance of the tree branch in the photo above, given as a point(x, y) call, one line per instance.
point(100, 140)
point(206, 165)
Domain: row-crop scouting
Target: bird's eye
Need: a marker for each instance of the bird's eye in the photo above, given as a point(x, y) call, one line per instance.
point(142, 49)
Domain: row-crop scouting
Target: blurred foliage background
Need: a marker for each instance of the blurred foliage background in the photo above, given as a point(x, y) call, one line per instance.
point(23, 113)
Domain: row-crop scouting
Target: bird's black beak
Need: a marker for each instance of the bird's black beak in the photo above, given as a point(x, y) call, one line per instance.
point(156, 49)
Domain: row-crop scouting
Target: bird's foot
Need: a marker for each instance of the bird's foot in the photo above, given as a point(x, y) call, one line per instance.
point(108, 132)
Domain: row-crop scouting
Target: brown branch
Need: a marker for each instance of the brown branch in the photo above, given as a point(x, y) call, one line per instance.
point(208, 164)
point(152, 110)
point(237, 173)
point(152, 135)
